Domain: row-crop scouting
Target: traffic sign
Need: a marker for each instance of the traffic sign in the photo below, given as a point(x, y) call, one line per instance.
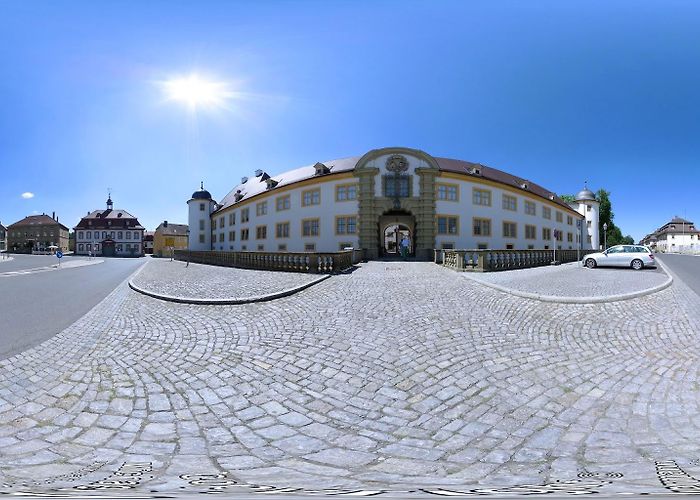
point(59, 254)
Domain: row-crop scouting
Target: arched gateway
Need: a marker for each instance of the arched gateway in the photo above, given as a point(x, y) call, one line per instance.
point(397, 186)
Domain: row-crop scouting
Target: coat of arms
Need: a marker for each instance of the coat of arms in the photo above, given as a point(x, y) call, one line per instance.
point(396, 164)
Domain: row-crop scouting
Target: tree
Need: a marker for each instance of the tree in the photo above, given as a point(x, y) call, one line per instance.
point(569, 198)
point(606, 216)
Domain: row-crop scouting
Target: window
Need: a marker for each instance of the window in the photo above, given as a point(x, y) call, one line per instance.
point(546, 234)
point(201, 238)
point(588, 208)
point(310, 227)
point(261, 232)
point(530, 208)
point(310, 247)
point(244, 247)
point(80, 247)
point(80, 235)
point(261, 248)
point(560, 217)
point(448, 246)
point(245, 214)
point(345, 224)
point(311, 197)
point(201, 207)
point(282, 247)
point(119, 235)
point(282, 230)
point(531, 247)
point(88, 235)
point(481, 227)
point(570, 237)
point(509, 246)
point(261, 208)
point(569, 220)
point(346, 192)
point(244, 234)
point(232, 219)
point(282, 203)
point(546, 212)
point(343, 245)
point(222, 221)
point(510, 202)
point(482, 246)
point(447, 224)
point(510, 229)
point(481, 197)
point(201, 224)
point(397, 186)
point(447, 192)
point(128, 235)
point(559, 235)
point(530, 232)
point(588, 223)
point(232, 235)
point(221, 238)
point(136, 235)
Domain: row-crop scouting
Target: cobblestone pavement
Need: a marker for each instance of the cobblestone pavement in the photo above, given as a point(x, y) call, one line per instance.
point(396, 376)
point(573, 280)
point(214, 282)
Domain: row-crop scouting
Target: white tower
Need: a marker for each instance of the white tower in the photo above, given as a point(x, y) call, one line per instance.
point(200, 208)
point(589, 207)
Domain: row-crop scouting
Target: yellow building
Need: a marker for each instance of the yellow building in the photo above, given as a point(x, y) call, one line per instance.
point(169, 237)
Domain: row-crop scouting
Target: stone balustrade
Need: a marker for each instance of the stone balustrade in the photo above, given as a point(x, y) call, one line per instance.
point(501, 260)
point(301, 262)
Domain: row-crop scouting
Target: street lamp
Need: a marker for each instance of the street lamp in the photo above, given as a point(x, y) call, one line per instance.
point(605, 235)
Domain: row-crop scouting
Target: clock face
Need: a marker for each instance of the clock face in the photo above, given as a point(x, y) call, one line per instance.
point(396, 163)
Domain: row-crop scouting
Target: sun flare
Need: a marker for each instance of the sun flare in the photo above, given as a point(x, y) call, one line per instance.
point(197, 92)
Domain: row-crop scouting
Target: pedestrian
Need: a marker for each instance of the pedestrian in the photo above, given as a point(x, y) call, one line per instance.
point(404, 247)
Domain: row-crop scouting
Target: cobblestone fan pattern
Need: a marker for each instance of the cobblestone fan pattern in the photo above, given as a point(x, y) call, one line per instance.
point(572, 280)
point(213, 282)
point(393, 377)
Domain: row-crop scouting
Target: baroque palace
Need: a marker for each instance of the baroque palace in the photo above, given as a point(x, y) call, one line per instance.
point(374, 201)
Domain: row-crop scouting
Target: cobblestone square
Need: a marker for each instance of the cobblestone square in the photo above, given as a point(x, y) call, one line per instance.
point(395, 377)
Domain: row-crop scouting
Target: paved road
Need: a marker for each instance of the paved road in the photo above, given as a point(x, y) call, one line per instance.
point(35, 307)
point(686, 267)
point(396, 376)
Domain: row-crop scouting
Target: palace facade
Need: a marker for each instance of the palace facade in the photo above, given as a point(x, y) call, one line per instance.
point(677, 235)
point(371, 202)
point(37, 234)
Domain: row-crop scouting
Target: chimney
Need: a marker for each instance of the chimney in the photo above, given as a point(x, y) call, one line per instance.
point(53, 215)
point(165, 223)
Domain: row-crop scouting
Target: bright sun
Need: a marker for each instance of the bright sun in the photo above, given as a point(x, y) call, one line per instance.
point(197, 92)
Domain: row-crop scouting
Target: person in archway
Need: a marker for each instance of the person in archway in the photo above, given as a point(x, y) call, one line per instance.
point(404, 247)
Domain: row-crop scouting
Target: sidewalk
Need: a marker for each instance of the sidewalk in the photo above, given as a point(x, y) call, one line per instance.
point(572, 283)
point(174, 281)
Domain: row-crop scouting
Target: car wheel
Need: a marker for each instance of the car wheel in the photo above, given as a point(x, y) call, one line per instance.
point(637, 264)
point(590, 263)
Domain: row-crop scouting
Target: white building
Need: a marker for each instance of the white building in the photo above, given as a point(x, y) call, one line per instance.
point(370, 202)
point(109, 233)
point(677, 235)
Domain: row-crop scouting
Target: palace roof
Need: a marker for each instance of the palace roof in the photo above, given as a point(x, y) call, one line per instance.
point(37, 220)
point(262, 182)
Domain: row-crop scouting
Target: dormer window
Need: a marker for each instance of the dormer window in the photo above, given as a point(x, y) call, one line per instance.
point(524, 185)
point(238, 195)
point(244, 180)
point(271, 183)
point(321, 169)
point(474, 170)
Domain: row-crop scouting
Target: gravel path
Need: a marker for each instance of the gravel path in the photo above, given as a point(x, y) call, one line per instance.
point(213, 282)
point(572, 280)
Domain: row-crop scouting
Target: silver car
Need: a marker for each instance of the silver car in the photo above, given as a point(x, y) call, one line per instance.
point(635, 256)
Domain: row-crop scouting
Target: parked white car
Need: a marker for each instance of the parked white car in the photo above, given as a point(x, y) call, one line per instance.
point(635, 256)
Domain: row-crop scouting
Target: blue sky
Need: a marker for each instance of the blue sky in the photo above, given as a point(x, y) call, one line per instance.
point(558, 92)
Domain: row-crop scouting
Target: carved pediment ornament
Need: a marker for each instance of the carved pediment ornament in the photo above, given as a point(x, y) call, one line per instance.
point(397, 163)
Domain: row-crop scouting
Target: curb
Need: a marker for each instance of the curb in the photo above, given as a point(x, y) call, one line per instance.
point(223, 302)
point(579, 300)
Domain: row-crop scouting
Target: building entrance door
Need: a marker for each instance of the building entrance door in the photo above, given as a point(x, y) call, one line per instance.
point(108, 248)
